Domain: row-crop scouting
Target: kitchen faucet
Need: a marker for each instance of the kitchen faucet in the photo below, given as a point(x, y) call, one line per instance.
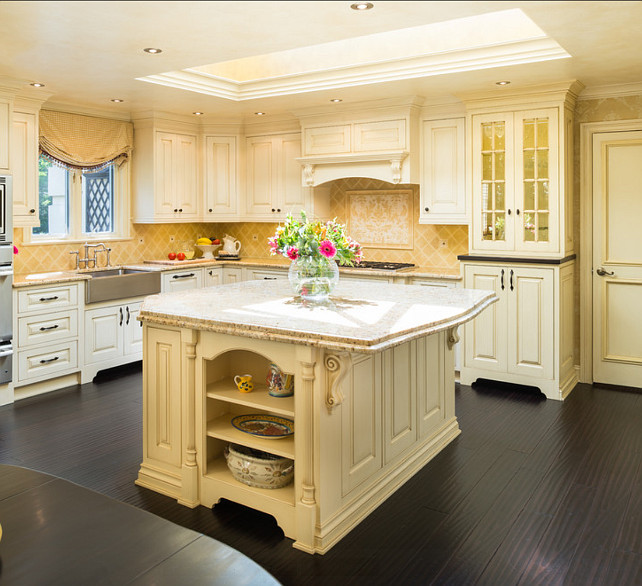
point(87, 259)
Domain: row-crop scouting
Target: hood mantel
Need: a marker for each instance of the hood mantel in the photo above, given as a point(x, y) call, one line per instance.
point(385, 166)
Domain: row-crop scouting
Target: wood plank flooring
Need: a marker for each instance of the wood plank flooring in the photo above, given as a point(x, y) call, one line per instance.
point(533, 492)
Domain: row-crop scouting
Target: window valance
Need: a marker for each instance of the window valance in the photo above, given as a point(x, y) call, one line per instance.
point(84, 142)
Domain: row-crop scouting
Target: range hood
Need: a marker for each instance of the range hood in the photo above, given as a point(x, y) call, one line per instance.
point(392, 167)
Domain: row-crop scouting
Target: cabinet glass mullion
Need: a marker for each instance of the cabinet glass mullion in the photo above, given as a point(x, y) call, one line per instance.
point(536, 180)
point(493, 181)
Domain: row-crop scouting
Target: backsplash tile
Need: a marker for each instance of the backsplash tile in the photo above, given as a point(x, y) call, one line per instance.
point(152, 241)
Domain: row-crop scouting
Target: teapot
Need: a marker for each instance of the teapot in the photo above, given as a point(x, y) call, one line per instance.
point(231, 246)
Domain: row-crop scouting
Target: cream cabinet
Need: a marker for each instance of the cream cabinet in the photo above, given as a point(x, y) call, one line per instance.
point(212, 276)
point(181, 280)
point(232, 275)
point(518, 179)
point(274, 177)
point(165, 176)
point(24, 167)
point(112, 336)
point(47, 332)
point(222, 196)
point(526, 337)
point(443, 172)
point(6, 103)
point(253, 274)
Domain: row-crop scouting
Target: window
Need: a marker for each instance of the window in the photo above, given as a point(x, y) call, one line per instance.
point(77, 205)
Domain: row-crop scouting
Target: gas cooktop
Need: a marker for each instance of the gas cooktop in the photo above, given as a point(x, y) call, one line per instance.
point(383, 266)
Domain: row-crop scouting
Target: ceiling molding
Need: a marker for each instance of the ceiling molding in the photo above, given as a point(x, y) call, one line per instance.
point(611, 91)
point(489, 56)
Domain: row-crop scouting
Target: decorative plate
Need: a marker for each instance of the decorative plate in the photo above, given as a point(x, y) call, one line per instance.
point(265, 426)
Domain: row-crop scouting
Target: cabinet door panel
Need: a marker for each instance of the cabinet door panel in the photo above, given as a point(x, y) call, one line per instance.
point(291, 190)
point(164, 179)
point(361, 422)
point(430, 386)
point(485, 336)
point(221, 196)
point(380, 136)
point(326, 140)
point(185, 175)
point(162, 439)
point(24, 158)
point(132, 330)
point(260, 175)
point(530, 348)
point(103, 334)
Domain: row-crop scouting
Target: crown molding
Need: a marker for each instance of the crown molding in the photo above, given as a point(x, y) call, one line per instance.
point(611, 91)
point(86, 111)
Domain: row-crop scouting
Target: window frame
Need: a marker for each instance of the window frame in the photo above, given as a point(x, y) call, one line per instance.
point(122, 224)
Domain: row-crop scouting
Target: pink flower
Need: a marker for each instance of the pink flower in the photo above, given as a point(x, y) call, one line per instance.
point(15, 249)
point(327, 249)
point(293, 253)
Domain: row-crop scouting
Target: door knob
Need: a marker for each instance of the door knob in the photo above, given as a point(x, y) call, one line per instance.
point(600, 271)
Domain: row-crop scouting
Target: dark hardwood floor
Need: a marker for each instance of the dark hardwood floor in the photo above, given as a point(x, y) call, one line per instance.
point(532, 491)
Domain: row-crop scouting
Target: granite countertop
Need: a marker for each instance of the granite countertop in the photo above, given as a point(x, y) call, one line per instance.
point(50, 278)
point(357, 318)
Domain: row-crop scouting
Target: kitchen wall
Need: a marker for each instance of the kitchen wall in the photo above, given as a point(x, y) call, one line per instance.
point(153, 241)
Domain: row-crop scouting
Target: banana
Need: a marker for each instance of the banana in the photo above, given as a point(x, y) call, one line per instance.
point(205, 241)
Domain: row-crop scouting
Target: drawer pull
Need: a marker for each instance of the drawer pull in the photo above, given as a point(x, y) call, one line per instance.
point(127, 322)
point(502, 279)
point(187, 276)
point(511, 279)
point(49, 298)
point(45, 361)
point(269, 278)
point(121, 317)
point(44, 329)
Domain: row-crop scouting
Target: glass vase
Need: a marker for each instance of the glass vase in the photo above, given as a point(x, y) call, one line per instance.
point(313, 278)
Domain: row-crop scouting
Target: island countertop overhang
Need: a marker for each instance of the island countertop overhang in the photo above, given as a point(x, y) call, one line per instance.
point(358, 318)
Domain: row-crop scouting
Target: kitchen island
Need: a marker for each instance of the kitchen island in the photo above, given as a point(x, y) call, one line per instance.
point(373, 395)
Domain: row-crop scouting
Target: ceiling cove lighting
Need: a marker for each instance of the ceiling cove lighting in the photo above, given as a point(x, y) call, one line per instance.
point(153, 50)
point(362, 6)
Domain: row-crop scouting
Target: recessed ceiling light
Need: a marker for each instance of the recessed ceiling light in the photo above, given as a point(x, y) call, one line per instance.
point(36, 84)
point(336, 100)
point(117, 100)
point(152, 50)
point(362, 6)
point(502, 82)
point(197, 113)
point(259, 113)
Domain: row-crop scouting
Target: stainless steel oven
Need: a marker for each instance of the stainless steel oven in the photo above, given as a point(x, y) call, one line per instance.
point(6, 279)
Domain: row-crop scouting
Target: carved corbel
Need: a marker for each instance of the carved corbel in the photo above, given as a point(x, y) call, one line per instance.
point(452, 337)
point(337, 366)
point(308, 174)
point(395, 167)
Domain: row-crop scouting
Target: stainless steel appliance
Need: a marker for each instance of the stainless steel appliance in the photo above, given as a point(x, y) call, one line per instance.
point(383, 265)
point(6, 279)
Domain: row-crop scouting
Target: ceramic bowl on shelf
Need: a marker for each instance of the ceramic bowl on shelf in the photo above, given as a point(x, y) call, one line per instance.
point(258, 469)
point(208, 250)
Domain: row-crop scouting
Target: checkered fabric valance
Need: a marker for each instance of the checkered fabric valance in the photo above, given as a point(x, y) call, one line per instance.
point(84, 142)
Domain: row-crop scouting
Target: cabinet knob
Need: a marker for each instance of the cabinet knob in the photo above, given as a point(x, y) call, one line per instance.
point(426, 209)
point(210, 210)
point(278, 209)
point(175, 209)
point(509, 212)
point(273, 210)
point(517, 212)
point(32, 211)
point(180, 210)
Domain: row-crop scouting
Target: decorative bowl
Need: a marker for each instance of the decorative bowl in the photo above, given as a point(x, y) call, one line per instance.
point(208, 250)
point(257, 468)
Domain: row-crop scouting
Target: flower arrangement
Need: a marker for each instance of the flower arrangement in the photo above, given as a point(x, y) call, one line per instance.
point(315, 239)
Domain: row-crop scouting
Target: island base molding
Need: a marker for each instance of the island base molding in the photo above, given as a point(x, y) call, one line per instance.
point(364, 423)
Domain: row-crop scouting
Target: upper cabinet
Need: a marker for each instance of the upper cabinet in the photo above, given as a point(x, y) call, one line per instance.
point(165, 175)
point(273, 187)
point(24, 167)
point(443, 172)
point(221, 183)
point(520, 181)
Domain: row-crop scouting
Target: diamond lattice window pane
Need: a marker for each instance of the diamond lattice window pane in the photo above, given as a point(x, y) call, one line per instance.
point(99, 201)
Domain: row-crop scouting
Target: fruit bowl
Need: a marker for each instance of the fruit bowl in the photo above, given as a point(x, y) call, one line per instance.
point(208, 250)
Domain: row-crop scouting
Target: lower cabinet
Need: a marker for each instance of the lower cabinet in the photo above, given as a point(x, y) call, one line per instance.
point(525, 337)
point(232, 275)
point(182, 280)
point(252, 274)
point(113, 336)
point(212, 276)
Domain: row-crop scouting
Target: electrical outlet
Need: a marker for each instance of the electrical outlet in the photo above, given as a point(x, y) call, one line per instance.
point(443, 244)
point(255, 238)
point(171, 239)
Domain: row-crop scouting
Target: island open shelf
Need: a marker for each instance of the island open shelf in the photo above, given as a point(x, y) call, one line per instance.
point(373, 395)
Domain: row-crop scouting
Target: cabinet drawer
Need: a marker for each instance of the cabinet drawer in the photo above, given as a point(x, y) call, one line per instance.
point(252, 275)
point(47, 298)
point(379, 136)
point(43, 363)
point(37, 329)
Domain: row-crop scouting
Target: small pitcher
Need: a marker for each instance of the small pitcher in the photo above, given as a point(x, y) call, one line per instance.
point(279, 383)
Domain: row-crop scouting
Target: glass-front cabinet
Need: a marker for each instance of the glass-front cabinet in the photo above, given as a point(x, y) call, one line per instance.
point(516, 182)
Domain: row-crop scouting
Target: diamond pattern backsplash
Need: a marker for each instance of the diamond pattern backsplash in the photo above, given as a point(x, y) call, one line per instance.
point(152, 241)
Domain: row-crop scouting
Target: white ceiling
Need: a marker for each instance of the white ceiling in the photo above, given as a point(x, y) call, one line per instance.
point(87, 53)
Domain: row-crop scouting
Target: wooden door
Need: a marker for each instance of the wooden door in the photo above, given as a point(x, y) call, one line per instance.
point(617, 258)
